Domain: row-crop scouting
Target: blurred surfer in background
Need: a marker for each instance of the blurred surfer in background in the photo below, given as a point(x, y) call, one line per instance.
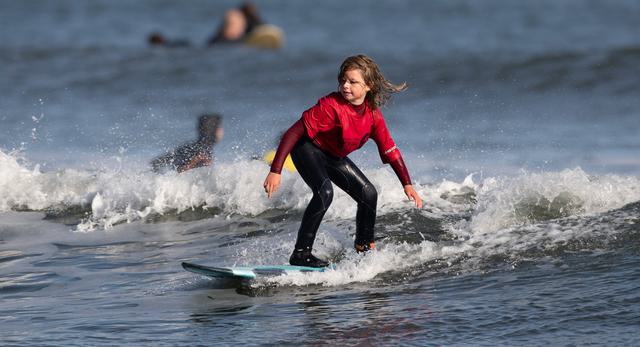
point(319, 143)
point(245, 25)
point(241, 25)
point(237, 24)
point(195, 154)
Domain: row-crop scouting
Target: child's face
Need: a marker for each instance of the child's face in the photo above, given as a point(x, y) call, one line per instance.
point(353, 88)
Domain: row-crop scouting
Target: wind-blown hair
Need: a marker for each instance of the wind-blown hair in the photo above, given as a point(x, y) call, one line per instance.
point(381, 88)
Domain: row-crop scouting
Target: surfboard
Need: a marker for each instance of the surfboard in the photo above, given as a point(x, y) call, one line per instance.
point(288, 162)
point(248, 272)
point(265, 36)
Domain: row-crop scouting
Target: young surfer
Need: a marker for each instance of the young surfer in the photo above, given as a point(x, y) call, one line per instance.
point(319, 143)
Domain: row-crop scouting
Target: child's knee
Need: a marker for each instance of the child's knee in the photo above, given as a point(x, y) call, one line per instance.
point(325, 193)
point(370, 194)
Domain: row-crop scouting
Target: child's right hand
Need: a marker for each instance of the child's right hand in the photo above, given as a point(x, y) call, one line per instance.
point(271, 183)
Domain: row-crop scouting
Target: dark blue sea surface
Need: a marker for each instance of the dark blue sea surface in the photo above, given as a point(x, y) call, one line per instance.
point(520, 130)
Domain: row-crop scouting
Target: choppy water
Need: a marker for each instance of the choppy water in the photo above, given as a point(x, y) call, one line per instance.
point(520, 129)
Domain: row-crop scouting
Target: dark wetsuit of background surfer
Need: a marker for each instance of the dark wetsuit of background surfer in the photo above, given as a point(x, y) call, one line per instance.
point(195, 154)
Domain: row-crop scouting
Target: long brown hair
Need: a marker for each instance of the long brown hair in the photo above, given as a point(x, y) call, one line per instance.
point(381, 88)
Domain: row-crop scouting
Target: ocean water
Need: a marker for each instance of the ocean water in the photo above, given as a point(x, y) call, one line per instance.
point(520, 130)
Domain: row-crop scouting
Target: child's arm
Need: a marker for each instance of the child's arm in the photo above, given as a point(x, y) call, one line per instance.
point(289, 139)
point(403, 175)
point(198, 160)
point(389, 153)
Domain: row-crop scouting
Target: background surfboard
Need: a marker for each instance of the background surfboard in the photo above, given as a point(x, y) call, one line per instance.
point(266, 36)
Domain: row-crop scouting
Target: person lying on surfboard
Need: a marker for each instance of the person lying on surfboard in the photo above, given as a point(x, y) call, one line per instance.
point(319, 143)
point(194, 154)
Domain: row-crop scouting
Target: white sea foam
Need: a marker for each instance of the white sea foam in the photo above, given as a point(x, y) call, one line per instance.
point(121, 196)
point(23, 187)
point(529, 197)
point(503, 223)
point(505, 212)
point(236, 188)
point(362, 268)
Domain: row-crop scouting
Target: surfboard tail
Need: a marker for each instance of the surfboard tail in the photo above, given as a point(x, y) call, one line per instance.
point(210, 271)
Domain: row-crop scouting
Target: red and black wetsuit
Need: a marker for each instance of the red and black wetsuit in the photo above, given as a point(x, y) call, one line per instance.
point(319, 144)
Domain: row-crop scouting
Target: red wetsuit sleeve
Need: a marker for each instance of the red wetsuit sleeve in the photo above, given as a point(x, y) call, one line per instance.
point(380, 134)
point(289, 139)
point(389, 153)
point(401, 171)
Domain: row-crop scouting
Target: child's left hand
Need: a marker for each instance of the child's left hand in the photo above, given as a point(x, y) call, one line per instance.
point(412, 195)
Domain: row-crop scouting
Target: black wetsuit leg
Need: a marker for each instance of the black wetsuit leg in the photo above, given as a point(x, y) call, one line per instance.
point(318, 170)
point(311, 164)
point(346, 175)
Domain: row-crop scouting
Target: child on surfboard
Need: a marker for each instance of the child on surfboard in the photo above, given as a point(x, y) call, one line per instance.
point(319, 143)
